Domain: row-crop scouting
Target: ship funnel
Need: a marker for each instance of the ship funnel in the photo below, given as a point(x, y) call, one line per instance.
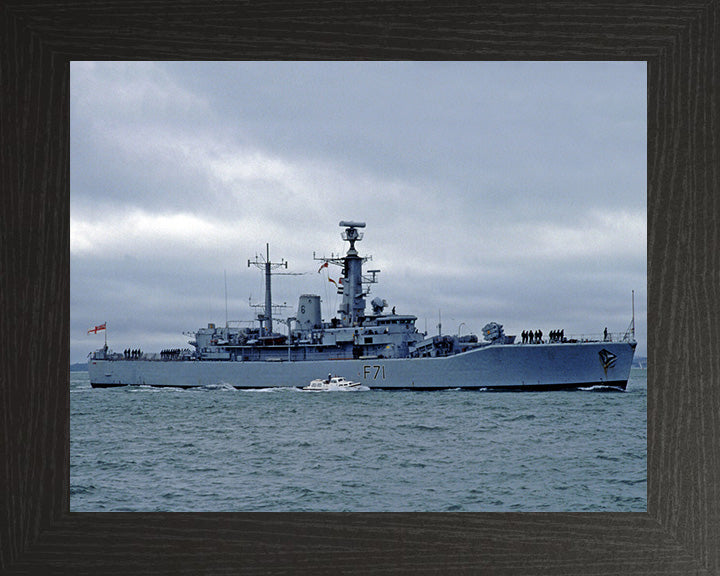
point(308, 314)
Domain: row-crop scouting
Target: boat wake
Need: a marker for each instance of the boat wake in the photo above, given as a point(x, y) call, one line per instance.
point(602, 388)
point(219, 386)
point(145, 388)
point(331, 388)
point(280, 389)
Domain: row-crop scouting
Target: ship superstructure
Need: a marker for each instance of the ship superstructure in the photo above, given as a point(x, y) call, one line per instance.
point(380, 349)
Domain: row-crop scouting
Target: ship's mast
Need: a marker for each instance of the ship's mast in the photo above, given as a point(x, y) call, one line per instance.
point(352, 308)
point(630, 332)
point(268, 266)
point(353, 304)
point(226, 308)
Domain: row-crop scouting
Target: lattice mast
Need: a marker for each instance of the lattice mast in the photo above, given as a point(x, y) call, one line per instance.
point(264, 263)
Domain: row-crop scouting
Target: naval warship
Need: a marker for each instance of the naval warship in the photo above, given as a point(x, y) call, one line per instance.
point(375, 347)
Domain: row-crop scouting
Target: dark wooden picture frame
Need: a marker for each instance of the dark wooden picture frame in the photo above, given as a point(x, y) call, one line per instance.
point(679, 533)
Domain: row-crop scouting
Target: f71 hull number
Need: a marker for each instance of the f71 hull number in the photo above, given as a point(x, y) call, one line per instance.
point(374, 372)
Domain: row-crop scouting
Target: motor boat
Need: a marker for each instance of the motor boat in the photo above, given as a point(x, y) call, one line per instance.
point(331, 383)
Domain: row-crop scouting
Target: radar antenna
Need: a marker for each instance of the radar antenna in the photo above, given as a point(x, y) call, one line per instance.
point(351, 234)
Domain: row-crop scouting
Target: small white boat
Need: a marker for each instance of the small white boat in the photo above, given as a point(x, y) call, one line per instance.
point(331, 383)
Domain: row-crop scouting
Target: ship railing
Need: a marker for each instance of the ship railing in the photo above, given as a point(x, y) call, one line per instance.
point(588, 337)
point(598, 337)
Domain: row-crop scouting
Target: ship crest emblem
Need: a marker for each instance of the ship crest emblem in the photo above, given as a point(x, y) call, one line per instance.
point(607, 359)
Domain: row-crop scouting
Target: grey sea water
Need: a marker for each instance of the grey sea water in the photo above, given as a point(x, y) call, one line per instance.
point(150, 449)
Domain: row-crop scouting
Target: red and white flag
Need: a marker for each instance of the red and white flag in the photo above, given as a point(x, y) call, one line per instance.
point(95, 330)
point(325, 265)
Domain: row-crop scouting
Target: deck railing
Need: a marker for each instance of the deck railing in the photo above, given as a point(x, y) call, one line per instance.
point(587, 337)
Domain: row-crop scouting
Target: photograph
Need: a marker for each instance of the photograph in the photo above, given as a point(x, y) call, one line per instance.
point(358, 286)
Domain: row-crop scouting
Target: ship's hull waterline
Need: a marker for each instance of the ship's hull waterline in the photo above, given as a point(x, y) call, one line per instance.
point(528, 367)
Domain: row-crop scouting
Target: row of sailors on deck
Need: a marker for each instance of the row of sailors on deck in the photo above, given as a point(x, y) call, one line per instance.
point(530, 337)
point(132, 354)
point(173, 353)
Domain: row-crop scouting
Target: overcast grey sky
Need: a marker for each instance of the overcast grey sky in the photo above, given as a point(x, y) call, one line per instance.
point(512, 192)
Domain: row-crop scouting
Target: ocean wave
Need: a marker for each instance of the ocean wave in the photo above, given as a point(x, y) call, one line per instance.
point(608, 458)
point(80, 489)
point(423, 427)
point(521, 417)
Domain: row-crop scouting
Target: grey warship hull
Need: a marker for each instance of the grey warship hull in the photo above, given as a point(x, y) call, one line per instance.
point(528, 367)
point(378, 349)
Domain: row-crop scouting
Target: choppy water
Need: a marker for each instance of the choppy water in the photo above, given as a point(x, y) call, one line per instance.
point(149, 449)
